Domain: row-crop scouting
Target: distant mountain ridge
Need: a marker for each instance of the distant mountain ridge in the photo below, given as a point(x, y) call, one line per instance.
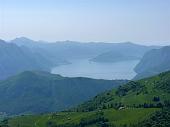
point(154, 62)
point(40, 92)
point(23, 54)
point(126, 51)
point(77, 50)
point(113, 56)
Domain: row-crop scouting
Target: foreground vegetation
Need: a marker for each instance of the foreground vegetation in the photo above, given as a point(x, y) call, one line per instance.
point(151, 92)
point(143, 103)
point(107, 117)
point(158, 119)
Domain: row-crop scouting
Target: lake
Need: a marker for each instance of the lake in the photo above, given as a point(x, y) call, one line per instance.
point(86, 68)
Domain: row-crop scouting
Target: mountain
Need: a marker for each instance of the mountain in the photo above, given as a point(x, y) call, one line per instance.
point(39, 92)
point(23, 41)
point(40, 47)
point(14, 59)
point(68, 50)
point(113, 56)
point(134, 93)
point(153, 62)
point(123, 52)
point(143, 103)
point(23, 54)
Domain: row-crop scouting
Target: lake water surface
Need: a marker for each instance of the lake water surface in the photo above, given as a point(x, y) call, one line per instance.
point(86, 68)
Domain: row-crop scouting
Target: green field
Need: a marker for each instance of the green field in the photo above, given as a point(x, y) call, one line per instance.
point(116, 117)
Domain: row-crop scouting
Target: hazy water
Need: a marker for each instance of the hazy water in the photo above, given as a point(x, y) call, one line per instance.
point(85, 68)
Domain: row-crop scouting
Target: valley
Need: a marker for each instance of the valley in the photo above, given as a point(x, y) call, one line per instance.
point(84, 63)
point(86, 68)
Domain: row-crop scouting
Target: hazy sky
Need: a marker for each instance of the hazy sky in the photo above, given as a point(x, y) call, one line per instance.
point(140, 21)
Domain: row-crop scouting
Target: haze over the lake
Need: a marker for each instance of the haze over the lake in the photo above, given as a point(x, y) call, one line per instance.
point(86, 68)
point(145, 21)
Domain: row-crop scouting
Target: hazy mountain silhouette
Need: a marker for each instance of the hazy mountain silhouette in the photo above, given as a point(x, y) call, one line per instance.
point(154, 62)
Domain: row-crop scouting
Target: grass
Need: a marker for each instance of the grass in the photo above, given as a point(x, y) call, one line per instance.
point(128, 116)
point(116, 117)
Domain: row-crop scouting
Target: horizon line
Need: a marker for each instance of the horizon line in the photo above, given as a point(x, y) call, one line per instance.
point(78, 41)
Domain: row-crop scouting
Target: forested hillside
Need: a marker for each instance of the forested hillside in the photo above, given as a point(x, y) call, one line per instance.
point(144, 103)
point(41, 92)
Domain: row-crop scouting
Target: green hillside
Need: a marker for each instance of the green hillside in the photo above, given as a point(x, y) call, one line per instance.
point(39, 92)
point(87, 119)
point(149, 92)
point(144, 103)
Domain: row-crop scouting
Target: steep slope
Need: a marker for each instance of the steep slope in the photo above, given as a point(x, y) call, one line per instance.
point(154, 62)
point(136, 104)
point(39, 92)
point(150, 92)
point(41, 47)
point(14, 59)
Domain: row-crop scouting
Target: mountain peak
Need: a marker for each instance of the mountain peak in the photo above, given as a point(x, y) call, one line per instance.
point(22, 39)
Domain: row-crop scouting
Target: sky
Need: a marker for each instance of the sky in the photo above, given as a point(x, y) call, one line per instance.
point(139, 21)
